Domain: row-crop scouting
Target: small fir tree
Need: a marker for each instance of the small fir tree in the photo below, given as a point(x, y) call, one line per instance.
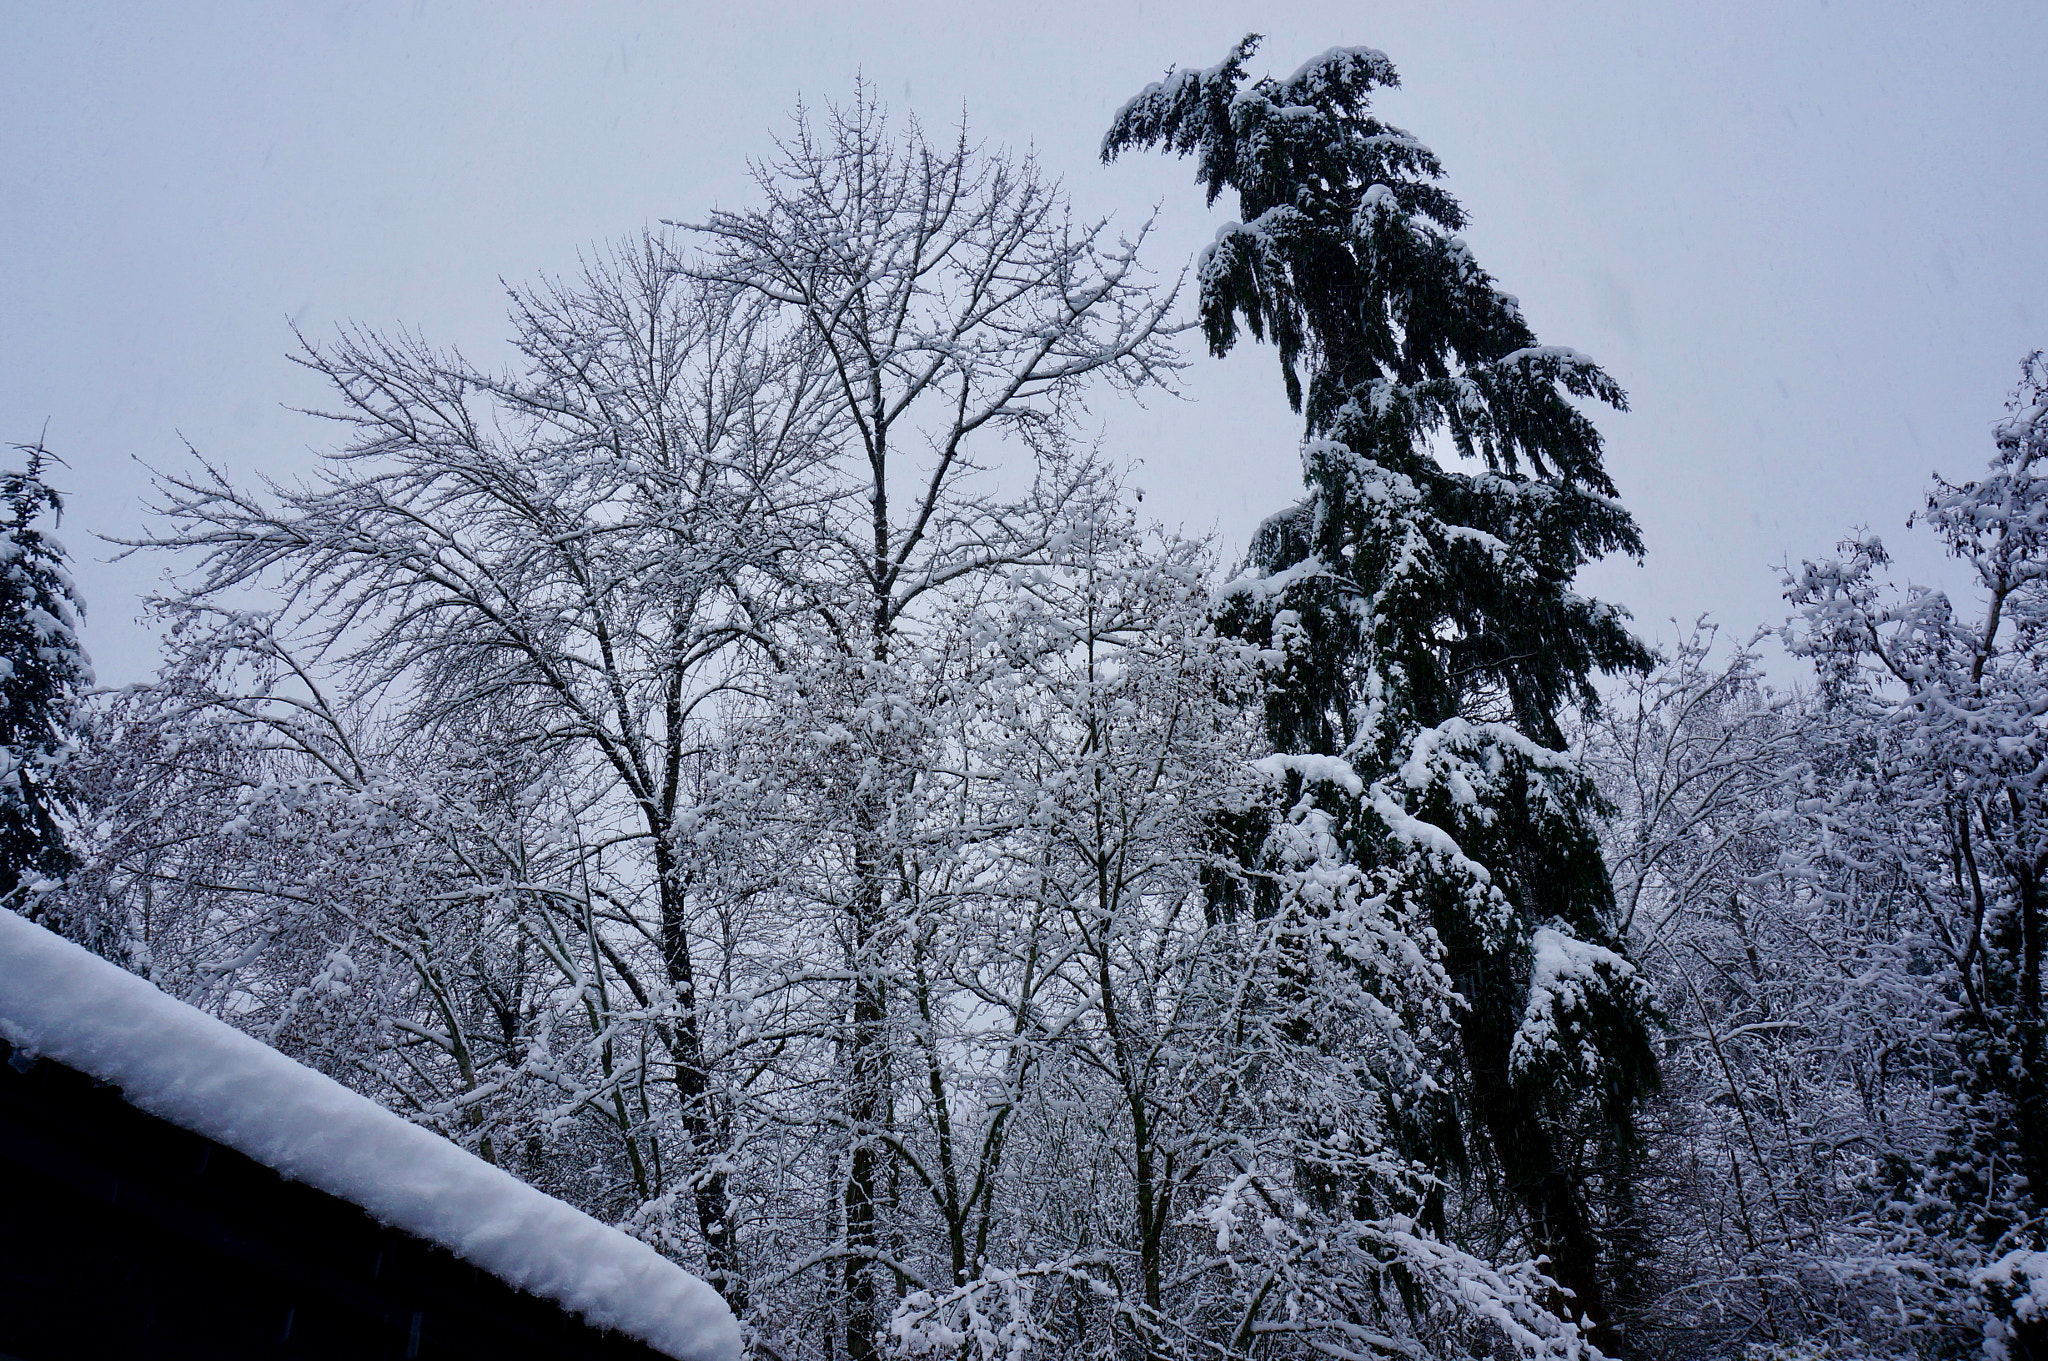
point(43, 668)
point(1418, 620)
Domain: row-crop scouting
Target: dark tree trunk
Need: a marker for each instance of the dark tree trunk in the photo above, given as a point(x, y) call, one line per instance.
point(693, 1088)
point(1536, 1176)
point(867, 1099)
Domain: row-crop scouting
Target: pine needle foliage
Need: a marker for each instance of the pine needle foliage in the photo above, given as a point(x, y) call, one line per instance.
point(43, 669)
point(1417, 617)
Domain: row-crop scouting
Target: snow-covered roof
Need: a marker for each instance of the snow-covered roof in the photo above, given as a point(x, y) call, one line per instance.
point(64, 1003)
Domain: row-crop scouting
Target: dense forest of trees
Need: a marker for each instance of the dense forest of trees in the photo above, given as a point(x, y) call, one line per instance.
point(746, 768)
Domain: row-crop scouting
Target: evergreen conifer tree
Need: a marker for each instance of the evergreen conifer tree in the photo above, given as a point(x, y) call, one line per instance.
point(43, 668)
point(1418, 618)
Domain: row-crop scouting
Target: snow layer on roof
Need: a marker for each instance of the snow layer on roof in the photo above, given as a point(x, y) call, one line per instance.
point(62, 1002)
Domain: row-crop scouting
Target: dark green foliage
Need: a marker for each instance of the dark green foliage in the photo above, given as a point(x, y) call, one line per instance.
point(42, 670)
point(1418, 617)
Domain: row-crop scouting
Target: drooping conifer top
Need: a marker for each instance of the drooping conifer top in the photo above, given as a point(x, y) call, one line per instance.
point(1347, 257)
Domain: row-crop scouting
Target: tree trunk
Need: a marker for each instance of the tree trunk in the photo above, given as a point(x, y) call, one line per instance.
point(693, 1089)
point(867, 1098)
point(1538, 1182)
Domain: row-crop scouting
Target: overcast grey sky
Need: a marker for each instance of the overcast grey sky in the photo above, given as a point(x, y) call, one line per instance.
point(1808, 238)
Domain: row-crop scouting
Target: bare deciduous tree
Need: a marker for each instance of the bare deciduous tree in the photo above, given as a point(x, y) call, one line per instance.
point(586, 545)
point(961, 312)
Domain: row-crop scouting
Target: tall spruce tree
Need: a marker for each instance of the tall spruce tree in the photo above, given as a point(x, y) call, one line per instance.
point(1419, 621)
point(43, 668)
